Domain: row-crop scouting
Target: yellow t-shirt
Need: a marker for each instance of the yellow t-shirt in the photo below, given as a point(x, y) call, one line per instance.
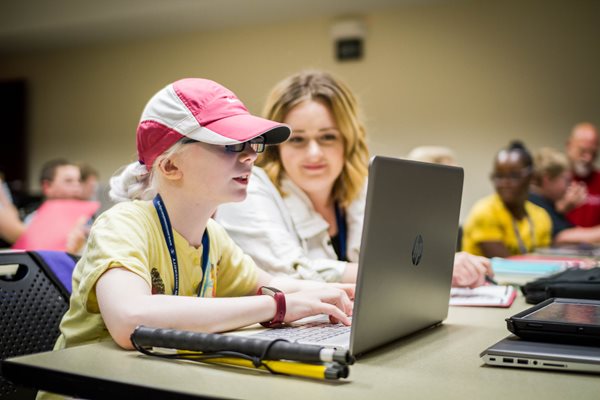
point(490, 221)
point(129, 235)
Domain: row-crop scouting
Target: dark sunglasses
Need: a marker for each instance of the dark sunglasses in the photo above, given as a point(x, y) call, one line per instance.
point(257, 144)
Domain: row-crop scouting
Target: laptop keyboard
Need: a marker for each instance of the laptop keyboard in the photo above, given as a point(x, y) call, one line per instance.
point(317, 331)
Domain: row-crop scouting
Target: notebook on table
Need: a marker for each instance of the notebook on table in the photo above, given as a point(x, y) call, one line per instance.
point(406, 259)
point(483, 296)
point(523, 270)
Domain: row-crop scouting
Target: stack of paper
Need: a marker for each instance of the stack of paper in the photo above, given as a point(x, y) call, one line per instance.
point(575, 249)
point(483, 296)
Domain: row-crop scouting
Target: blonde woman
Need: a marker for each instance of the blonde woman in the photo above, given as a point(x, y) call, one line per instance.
point(304, 210)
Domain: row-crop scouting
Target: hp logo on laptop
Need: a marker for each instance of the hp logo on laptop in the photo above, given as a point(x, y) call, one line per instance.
point(417, 250)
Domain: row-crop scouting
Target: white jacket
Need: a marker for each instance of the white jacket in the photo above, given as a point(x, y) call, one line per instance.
point(285, 235)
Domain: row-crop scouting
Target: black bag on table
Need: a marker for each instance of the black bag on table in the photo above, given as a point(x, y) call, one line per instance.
point(572, 283)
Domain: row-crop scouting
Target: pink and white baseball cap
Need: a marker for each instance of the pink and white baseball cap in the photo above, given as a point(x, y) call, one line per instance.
point(202, 110)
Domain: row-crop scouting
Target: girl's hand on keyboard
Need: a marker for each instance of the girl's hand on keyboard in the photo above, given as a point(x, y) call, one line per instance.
point(346, 287)
point(329, 300)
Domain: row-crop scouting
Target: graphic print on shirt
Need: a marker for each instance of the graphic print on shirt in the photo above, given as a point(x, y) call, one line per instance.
point(158, 286)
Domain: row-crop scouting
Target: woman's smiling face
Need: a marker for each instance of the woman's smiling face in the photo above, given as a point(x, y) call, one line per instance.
point(313, 156)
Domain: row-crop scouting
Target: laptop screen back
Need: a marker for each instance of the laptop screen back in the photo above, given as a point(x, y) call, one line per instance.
point(407, 250)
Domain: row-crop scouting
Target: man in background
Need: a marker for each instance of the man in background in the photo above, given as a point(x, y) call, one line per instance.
point(582, 149)
point(59, 179)
point(551, 183)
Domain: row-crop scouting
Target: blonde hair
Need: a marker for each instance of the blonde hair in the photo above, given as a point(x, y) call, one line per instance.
point(135, 182)
point(548, 162)
point(321, 86)
point(432, 154)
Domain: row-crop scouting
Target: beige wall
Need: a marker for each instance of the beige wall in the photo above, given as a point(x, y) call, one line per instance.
point(470, 75)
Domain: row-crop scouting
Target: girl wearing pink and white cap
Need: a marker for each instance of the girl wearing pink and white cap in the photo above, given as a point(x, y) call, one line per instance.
point(157, 258)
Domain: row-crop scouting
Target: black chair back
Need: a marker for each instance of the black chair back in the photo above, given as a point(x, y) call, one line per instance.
point(32, 304)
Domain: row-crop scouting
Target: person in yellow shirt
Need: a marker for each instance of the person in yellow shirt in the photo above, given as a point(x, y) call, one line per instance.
point(506, 223)
point(157, 259)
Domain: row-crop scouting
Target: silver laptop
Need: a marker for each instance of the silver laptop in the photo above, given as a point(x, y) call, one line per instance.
point(406, 260)
point(514, 352)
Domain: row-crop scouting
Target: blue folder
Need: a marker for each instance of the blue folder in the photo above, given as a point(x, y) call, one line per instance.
point(525, 267)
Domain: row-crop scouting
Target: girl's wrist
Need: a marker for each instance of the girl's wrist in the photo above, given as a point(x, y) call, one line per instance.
point(280, 306)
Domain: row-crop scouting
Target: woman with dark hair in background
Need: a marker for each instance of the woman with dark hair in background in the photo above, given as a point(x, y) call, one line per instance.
point(506, 223)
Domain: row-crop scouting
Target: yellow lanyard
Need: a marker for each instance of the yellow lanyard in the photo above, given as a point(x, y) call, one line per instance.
point(522, 247)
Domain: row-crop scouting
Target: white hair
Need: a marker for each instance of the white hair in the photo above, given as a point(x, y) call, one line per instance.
point(432, 154)
point(131, 182)
point(135, 182)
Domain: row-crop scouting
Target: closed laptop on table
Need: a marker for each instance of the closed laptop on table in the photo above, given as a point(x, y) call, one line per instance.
point(514, 352)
